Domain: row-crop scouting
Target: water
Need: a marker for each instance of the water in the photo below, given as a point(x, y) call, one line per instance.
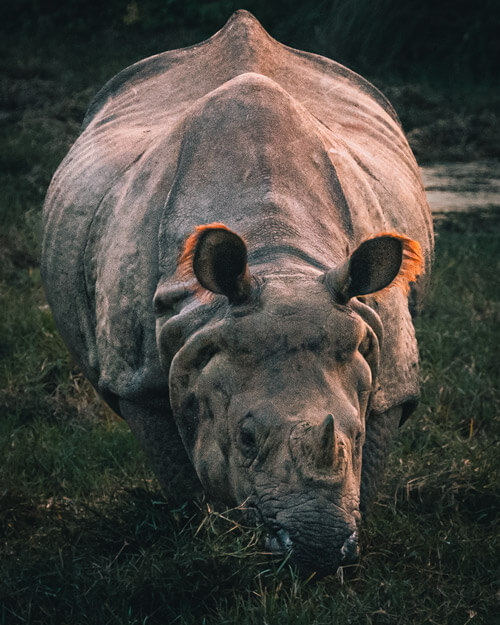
point(462, 187)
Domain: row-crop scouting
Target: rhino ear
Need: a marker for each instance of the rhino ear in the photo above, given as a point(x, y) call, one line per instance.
point(385, 260)
point(217, 257)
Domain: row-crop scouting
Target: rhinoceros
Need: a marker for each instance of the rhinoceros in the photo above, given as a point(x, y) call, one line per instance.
point(232, 252)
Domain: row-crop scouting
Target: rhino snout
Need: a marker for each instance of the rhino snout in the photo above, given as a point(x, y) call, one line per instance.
point(328, 561)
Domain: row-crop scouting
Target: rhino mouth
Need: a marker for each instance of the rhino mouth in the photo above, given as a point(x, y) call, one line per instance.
point(307, 559)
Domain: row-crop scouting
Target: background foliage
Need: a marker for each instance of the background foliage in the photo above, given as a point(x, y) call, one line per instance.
point(450, 36)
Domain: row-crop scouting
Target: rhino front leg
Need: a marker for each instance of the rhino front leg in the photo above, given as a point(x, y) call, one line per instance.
point(380, 430)
point(157, 433)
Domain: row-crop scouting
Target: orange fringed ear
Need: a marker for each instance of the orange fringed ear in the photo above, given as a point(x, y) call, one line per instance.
point(411, 264)
point(185, 265)
point(216, 257)
point(380, 262)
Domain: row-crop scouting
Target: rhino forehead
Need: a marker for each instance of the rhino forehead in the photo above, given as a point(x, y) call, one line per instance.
point(295, 317)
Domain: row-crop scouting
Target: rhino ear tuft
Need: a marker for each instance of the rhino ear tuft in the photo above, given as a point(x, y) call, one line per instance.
point(217, 258)
point(383, 261)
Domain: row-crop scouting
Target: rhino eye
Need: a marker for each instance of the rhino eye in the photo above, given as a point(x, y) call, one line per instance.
point(248, 442)
point(247, 438)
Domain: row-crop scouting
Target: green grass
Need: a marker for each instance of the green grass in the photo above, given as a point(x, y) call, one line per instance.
point(85, 535)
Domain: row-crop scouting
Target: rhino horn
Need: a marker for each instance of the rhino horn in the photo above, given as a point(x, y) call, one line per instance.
point(325, 444)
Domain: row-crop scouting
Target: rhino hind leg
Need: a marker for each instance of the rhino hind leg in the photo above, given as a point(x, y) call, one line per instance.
point(380, 431)
point(157, 433)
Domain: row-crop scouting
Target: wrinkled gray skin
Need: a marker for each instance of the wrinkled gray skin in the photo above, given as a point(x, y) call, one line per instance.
point(282, 390)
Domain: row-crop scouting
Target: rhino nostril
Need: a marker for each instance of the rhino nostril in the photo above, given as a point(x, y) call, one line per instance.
point(285, 539)
point(349, 549)
point(280, 542)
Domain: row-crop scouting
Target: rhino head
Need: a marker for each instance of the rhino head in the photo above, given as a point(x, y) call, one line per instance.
point(270, 383)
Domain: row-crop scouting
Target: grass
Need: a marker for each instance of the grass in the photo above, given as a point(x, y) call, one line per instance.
point(85, 535)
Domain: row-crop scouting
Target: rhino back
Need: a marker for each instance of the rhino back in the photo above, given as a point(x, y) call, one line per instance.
point(149, 164)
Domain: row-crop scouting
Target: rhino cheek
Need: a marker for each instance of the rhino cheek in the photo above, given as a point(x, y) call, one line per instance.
point(199, 404)
point(210, 463)
point(201, 425)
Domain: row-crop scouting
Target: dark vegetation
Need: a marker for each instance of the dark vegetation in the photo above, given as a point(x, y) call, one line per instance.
point(451, 37)
point(85, 536)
